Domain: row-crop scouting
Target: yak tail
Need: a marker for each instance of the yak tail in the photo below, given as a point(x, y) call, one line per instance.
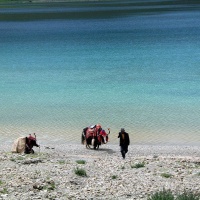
point(82, 138)
point(93, 141)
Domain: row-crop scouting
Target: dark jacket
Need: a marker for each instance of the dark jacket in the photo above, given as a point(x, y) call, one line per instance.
point(124, 141)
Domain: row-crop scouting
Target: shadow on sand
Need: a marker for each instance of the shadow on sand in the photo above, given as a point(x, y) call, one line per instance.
point(109, 151)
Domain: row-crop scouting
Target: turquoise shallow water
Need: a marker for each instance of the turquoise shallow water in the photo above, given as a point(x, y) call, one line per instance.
point(67, 66)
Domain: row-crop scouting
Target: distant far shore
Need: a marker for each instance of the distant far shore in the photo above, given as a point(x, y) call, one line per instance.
point(50, 1)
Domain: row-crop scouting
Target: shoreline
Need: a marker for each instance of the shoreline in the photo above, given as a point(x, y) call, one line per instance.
point(50, 172)
point(135, 140)
point(134, 149)
point(54, 136)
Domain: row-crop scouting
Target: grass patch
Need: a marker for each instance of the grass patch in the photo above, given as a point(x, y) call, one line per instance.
point(168, 195)
point(61, 162)
point(155, 156)
point(20, 158)
point(33, 155)
point(114, 176)
point(1, 182)
point(123, 167)
point(198, 173)
point(4, 191)
point(80, 172)
point(166, 175)
point(17, 158)
point(162, 195)
point(138, 165)
point(37, 155)
point(81, 161)
point(28, 156)
point(51, 185)
point(188, 196)
point(12, 159)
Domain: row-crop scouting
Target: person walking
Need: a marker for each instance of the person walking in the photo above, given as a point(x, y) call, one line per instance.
point(124, 142)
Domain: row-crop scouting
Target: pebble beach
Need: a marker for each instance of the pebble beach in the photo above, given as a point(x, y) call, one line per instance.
point(52, 172)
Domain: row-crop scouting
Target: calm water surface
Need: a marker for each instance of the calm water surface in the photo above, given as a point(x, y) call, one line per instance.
point(133, 64)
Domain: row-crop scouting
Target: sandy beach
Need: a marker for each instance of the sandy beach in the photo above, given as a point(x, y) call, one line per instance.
point(50, 173)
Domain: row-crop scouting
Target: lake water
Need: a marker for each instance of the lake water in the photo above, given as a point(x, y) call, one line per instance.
point(136, 64)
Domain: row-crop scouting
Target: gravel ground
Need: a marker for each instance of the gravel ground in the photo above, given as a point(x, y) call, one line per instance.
point(50, 172)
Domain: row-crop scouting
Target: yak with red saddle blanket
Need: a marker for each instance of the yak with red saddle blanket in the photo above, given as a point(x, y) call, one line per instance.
point(94, 136)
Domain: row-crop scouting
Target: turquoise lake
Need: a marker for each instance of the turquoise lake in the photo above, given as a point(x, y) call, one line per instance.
point(130, 64)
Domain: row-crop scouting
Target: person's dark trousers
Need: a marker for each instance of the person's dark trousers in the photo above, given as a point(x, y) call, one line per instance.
point(124, 150)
